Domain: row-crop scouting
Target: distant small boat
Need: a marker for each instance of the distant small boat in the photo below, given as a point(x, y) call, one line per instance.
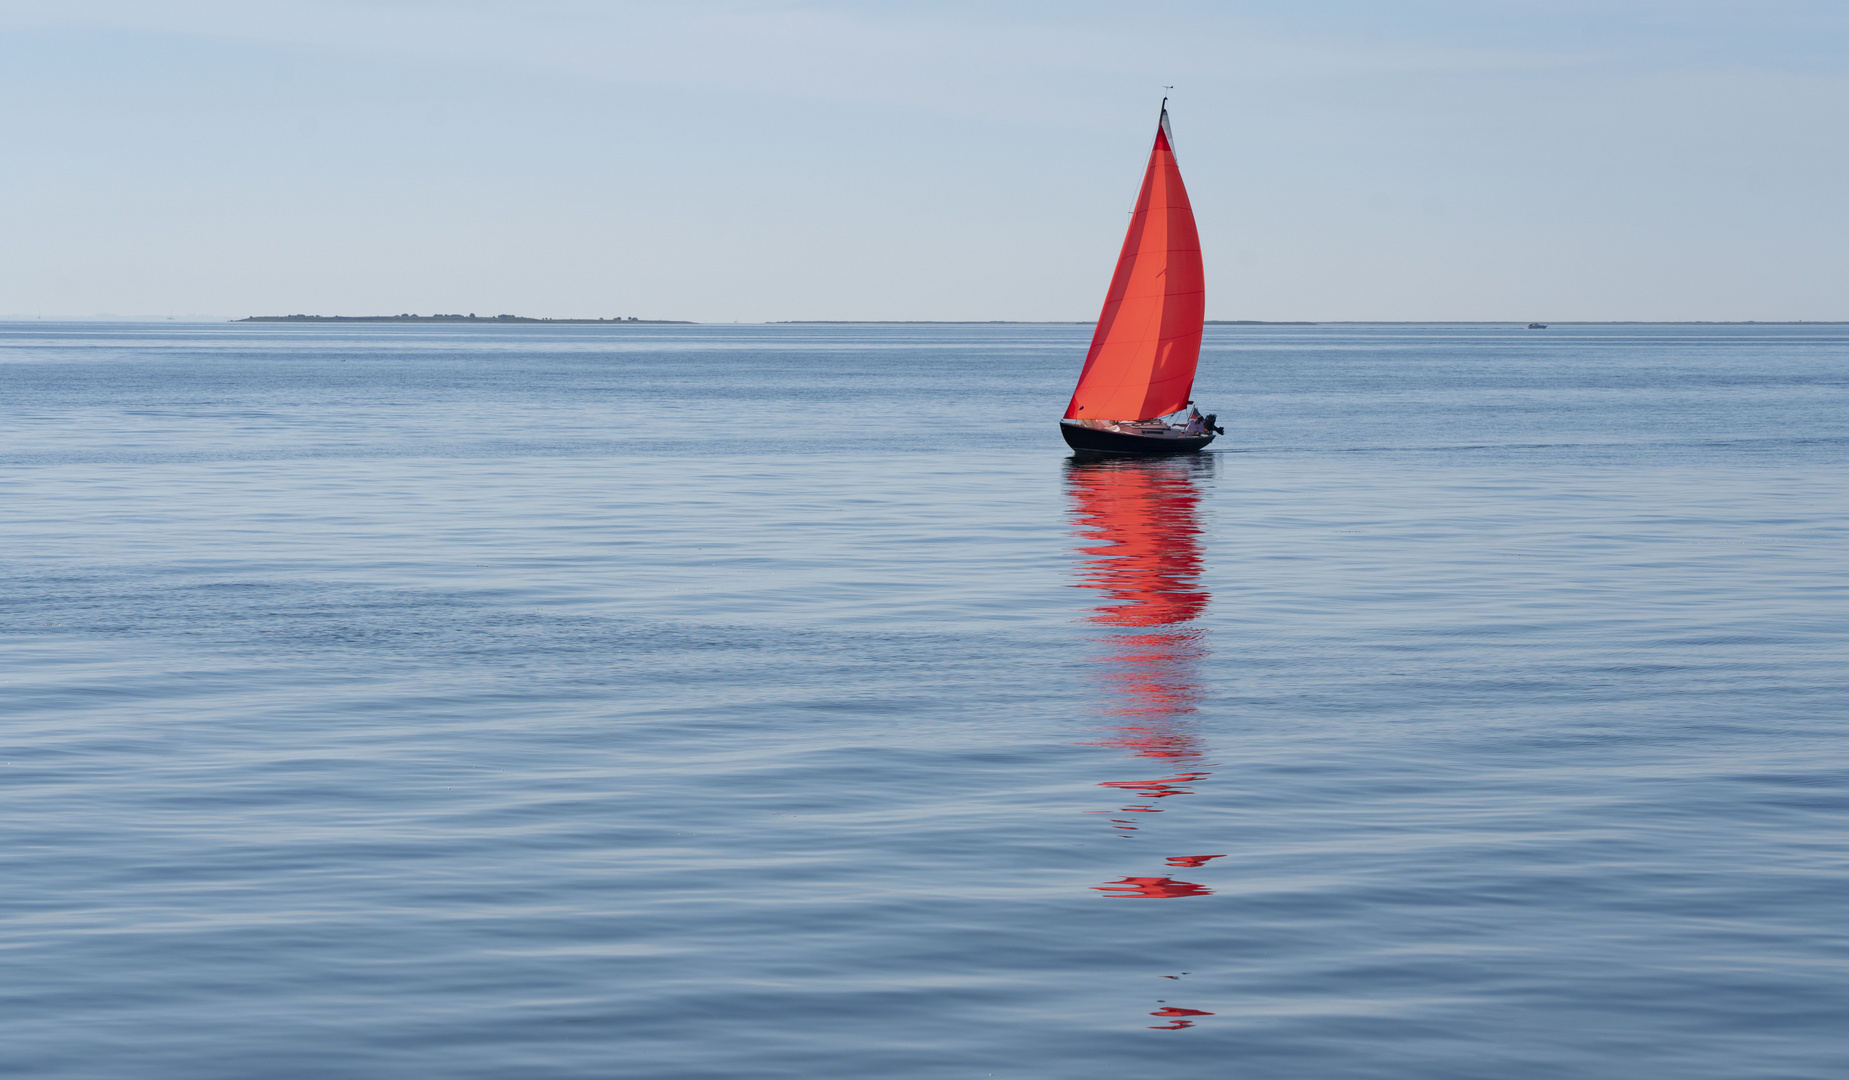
point(1537, 326)
point(1140, 368)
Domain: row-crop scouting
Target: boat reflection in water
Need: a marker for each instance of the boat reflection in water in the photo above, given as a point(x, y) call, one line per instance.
point(1179, 1016)
point(1140, 548)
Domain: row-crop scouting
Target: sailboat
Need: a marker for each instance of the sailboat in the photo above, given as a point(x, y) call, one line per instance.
point(1140, 369)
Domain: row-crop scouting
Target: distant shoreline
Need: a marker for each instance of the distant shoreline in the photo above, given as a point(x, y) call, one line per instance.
point(998, 322)
point(1520, 323)
point(502, 320)
point(1560, 322)
point(463, 319)
point(928, 322)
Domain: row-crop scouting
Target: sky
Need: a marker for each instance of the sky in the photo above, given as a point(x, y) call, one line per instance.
point(750, 161)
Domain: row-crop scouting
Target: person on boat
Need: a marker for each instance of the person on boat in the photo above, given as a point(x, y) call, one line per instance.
point(1197, 425)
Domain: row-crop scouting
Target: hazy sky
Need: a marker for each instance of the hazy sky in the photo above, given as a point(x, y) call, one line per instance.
point(1618, 159)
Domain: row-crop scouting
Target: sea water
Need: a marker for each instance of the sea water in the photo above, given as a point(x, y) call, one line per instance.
point(786, 701)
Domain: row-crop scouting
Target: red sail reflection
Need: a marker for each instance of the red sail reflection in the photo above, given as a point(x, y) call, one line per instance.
point(1145, 550)
point(1191, 860)
point(1140, 543)
point(1177, 1015)
point(1153, 888)
point(1140, 539)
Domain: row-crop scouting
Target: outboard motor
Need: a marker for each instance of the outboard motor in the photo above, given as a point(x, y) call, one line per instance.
point(1208, 420)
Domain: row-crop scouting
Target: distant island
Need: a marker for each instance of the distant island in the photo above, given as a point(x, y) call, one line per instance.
point(926, 322)
point(458, 319)
point(1002, 322)
point(500, 320)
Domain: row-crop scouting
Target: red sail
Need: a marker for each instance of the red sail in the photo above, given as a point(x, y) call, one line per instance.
point(1142, 358)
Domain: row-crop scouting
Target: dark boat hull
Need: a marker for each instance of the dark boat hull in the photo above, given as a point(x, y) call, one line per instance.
point(1093, 441)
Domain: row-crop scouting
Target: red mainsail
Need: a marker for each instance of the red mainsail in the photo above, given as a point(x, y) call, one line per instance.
point(1142, 358)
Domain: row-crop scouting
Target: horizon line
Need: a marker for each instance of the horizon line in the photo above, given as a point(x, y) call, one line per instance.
point(631, 321)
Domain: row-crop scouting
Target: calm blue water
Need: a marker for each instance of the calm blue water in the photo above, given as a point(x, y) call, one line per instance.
point(679, 702)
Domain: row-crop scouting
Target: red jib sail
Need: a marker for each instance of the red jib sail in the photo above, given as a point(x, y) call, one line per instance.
point(1142, 358)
